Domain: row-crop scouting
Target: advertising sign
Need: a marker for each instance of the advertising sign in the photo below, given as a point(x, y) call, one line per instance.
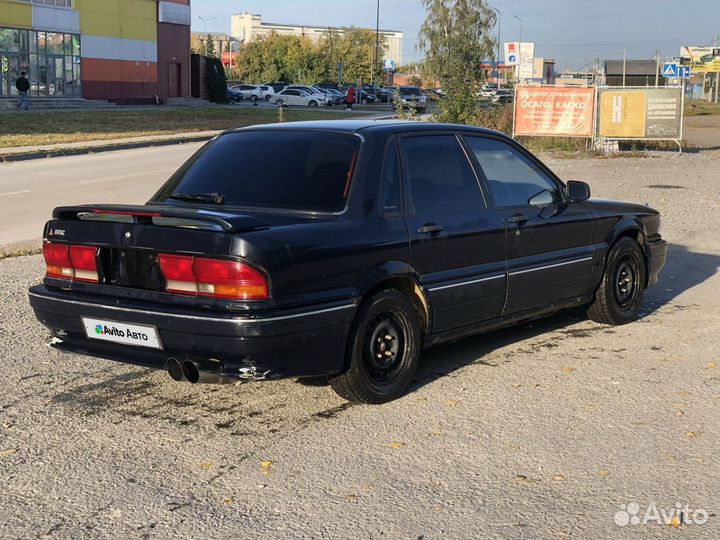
point(521, 56)
point(701, 59)
point(558, 111)
point(640, 113)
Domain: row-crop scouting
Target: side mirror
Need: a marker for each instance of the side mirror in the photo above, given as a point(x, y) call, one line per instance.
point(578, 191)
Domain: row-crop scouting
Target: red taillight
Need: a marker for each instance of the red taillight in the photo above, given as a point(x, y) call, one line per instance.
point(215, 278)
point(178, 273)
point(71, 262)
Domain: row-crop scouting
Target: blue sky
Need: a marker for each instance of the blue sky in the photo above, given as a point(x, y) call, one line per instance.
point(573, 32)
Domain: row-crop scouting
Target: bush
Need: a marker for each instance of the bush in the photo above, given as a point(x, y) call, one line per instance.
point(216, 81)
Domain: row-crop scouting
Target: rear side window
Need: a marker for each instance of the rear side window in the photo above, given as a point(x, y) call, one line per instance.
point(390, 186)
point(301, 170)
point(438, 177)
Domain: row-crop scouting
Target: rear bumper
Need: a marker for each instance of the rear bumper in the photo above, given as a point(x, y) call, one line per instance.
point(290, 343)
point(657, 253)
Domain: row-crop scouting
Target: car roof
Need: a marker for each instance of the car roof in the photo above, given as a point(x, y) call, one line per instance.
point(366, 126)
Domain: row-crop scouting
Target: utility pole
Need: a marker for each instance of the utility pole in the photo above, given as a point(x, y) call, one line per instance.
point(624, 64)
point(717, 75)
point(520, 55)
point(377, 48)
point(657, 67)
point(497, 57)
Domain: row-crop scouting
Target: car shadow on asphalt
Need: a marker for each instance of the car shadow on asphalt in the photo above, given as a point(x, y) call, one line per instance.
point(683, 270)
point(443, 360)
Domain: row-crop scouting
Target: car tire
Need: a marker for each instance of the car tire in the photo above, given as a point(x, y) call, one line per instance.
point(620, 294)
point(279, 103)
point(267, 98)
point(312, 103)
point(253, 98)
point(383, 350)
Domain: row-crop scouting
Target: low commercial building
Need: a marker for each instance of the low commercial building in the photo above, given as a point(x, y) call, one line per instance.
point(119, 50)
point(247, 27)
point(633, 73)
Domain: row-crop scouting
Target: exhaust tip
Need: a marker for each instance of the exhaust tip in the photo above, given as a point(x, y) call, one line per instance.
point(190, 371)
point(174, 369)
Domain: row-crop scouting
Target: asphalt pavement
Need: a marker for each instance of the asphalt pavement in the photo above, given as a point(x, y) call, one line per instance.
point(561, 428)
point(30, 190)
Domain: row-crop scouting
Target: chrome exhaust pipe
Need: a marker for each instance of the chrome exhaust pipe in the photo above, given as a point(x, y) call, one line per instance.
point(175, 370)
point(205, 372)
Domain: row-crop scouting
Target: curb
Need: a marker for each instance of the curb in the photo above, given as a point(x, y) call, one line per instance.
point(62, 152)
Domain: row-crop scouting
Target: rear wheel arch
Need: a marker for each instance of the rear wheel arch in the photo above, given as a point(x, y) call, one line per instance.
point(410, 288)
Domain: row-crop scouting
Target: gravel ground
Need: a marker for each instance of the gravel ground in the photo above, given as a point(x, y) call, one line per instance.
point(543, 430)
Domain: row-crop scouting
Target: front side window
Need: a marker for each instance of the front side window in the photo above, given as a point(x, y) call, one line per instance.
point(438, 177)
point(512, 178)
point(295, 170)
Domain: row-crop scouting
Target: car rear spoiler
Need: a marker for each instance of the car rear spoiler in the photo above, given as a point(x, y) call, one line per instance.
point(160, 215)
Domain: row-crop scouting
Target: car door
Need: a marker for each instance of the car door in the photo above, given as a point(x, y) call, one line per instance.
point(457, 243)
point(549, 240)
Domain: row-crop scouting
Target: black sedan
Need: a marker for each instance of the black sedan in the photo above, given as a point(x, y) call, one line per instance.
point(364, 243)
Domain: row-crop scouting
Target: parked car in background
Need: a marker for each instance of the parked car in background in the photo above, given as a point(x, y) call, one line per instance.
point(268, 91)
point(487, 91)
point(267, 256)
point(312, 90)
point(332, 94)
point(277, 86)
point(413, 97)
point(382, 93)
point(503, 95)
point(295, 96)
point(249, 91)
point(235, 95)
point(431, 94)
point(327, 86)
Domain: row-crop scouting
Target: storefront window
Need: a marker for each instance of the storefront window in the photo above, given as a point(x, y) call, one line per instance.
point(51, 60)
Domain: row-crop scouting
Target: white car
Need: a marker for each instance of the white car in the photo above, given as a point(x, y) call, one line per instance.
point(249, 91)
point(291, 96)
point(313, 90)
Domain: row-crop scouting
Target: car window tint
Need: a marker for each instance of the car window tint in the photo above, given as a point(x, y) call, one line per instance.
point(391, 187)
point(512, 177)
point(438, 177)
point(272, 169)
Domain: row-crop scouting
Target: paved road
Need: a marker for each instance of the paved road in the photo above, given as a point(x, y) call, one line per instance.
point(543, 431)
point(30, 190)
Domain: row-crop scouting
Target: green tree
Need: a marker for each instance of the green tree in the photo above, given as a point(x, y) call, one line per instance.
point(355, 48)
point(456, 39)
point(210, 46)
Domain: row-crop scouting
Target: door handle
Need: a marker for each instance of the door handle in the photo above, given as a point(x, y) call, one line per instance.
point(519, 219)
point(430, 228)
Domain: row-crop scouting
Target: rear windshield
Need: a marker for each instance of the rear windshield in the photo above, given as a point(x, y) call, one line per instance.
point(299, 170)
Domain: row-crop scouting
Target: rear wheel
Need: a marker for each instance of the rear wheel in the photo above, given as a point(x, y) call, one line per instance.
point(619, 296)
point(313, 104)
point(279, 102)
point(383, 350)
point(267, 97)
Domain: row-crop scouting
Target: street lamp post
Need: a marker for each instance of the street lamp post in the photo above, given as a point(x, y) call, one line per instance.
point(497, 57)
point(520, 56)
point(377, 49)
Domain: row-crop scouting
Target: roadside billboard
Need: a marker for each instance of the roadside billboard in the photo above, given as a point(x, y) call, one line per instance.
point(554, 111)
point(701, 59)
point(640, 113)
point(521, 55)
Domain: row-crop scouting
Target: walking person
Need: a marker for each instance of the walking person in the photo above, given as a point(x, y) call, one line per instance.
point(23, 87)
point(350, 98)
